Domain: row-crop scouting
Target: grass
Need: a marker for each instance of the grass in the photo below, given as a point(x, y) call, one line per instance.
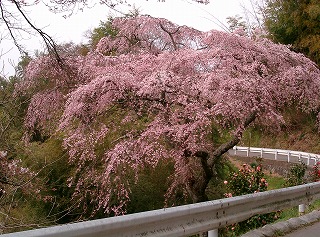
point(294, 212)
point(277, 182)
point(315, 205)
point(288, 213)
point(300, 133)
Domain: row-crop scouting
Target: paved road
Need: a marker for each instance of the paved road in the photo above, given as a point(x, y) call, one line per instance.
point(307, 231)
point(304, 226)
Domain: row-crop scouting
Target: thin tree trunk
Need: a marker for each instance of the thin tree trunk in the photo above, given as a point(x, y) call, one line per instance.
point(197, 186)
point(225, 147)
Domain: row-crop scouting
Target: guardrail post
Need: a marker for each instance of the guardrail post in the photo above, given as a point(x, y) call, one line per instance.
point(308, 162)
point(213, 233)
point(302, 208)
point(276, 155)
point(261, 153)
point(288, 156)
point(248, 151)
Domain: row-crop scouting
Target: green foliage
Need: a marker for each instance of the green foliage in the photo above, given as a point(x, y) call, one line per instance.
point(22, 64)
point(219, 136)
point(248, 179)
point(275, 182)
point(296, 23)
point(21, 213)
point(50, 162)
point(299, 133)
point(12, 111)
point(216, 188)
point(296, 175)
point(104, 29)
point(15, 202)
point(252, 136)
point(148, 193)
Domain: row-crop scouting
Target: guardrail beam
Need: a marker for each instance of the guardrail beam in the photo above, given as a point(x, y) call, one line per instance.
point(184, 220)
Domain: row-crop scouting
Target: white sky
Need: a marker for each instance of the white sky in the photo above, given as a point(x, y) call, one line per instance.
point(181, 12)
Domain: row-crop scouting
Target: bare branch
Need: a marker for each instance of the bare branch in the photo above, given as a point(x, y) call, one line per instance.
point(171, 35)
point(50, 43)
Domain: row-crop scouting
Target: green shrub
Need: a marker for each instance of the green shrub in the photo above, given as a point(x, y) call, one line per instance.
point(296, 175)
point(248, 179)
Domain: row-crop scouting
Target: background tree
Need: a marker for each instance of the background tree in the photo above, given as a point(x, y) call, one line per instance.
point(251, 21)
point(17, 180)
point(295, 23)
point(107, 29)
point(168, 92)
point(104, 29)
point(12, 109)
point(236, 22)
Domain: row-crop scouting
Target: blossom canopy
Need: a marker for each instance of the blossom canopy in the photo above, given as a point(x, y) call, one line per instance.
point(159, 91)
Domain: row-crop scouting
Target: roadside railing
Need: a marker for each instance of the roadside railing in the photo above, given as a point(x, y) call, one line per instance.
point(185, 220)
point(309, 159)
point(194, 218)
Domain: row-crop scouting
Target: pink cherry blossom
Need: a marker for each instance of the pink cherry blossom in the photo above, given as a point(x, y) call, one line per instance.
point(154, 92)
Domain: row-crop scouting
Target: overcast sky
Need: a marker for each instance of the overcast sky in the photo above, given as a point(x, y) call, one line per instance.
point(73, 28)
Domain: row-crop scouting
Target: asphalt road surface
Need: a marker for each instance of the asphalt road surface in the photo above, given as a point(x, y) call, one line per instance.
point(307, 231)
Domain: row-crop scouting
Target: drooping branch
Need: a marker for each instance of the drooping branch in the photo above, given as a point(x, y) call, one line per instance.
point(10, 20)
point(172, 106)
point(49, 42)
point(9, 27)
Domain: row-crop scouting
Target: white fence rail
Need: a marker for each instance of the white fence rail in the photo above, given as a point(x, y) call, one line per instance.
point(309, 159)
point(195, 218)
point(184, 220)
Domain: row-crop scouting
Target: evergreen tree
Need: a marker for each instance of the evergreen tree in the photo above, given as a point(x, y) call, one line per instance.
point(295, 22)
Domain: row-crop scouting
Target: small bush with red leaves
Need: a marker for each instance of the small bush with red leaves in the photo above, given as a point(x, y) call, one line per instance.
point(315, 173)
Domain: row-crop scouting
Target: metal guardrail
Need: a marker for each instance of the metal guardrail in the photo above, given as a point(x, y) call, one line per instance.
point(184, 220)
point(195, 218)
point(309, 159)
